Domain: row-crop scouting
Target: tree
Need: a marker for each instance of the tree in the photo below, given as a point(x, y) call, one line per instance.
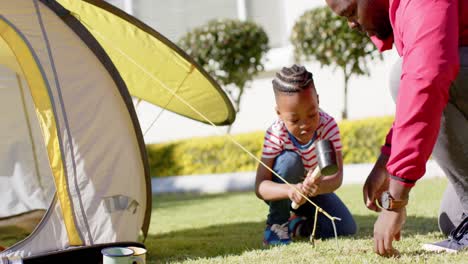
point(231, 51)
point(321, 35)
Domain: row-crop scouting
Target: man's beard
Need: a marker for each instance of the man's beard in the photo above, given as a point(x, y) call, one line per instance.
point(384, 32)
point(383, 27)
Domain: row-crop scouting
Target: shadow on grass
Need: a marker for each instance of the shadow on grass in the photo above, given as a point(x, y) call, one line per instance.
point(11, 235)
point(174, 199)
point(415, 225)
point(219, 240)
point(234, 239)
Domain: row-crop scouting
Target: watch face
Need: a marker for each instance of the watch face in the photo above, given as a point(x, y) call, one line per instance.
point(385, 200)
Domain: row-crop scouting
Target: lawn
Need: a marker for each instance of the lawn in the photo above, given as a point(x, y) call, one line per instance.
point(228, 228)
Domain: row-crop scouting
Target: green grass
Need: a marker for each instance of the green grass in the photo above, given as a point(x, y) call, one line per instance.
point(228, 228)
point(11, 235)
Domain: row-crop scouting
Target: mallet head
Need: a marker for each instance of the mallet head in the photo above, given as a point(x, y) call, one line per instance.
point(326, 157)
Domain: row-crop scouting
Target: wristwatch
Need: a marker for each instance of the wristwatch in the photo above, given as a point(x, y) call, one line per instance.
point(387, 202)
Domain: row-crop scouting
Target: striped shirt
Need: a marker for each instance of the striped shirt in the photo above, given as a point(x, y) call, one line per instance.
point(278, 139)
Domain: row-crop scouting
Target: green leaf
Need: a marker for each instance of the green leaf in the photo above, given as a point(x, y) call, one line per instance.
point(321, 36)
point(231, 51)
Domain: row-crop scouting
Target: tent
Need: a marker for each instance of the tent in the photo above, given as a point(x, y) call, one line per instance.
point(72, 155)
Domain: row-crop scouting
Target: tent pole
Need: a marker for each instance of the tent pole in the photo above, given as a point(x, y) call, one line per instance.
point(27, 117)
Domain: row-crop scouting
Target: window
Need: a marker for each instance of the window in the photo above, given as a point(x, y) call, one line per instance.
point(271, 19)
point(176, 17)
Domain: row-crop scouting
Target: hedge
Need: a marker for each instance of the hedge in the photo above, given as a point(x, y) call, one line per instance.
point(361, 141)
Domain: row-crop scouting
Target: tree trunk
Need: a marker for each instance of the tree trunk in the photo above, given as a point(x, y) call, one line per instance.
point(344, 113)
point(237, 101)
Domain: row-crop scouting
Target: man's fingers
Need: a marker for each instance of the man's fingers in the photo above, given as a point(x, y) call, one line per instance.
point(398, 236)
point(372, 206)
point(369, 199)
point(376, 248)
point(388, 247)
point(380, 247)
point(384, 244)
point(383, 247)
point(378, 242)
point(364, 194)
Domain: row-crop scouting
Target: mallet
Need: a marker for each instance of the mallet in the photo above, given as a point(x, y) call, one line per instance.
point(326, 157)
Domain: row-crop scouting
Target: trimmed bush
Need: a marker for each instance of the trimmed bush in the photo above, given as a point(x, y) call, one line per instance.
point(320, 35)
point(205, 155)
point(362, 139)
point(361, 144)
point(230, 50)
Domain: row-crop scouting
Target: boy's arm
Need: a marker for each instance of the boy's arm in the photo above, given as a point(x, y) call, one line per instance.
point(327, 184)
point(268, 190)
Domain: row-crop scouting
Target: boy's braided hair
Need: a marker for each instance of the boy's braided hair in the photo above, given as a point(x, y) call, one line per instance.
point(292, 80)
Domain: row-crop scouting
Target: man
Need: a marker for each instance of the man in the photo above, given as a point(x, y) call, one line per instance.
point(431, 37)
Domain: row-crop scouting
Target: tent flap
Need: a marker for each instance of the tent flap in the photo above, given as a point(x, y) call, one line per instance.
point(153, 68)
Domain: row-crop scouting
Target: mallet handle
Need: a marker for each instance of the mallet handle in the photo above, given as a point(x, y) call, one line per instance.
point(315, 174)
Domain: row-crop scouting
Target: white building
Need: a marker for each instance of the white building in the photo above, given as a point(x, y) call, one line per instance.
point(367, 96)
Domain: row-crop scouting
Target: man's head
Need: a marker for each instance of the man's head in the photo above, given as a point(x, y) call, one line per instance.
point(297, 102)
point(370, 16)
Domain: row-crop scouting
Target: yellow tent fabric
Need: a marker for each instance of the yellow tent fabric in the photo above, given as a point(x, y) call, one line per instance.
point(47, 121)
point(152, 67)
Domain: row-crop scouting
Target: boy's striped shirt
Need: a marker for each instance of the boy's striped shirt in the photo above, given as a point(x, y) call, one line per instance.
point(277, 139)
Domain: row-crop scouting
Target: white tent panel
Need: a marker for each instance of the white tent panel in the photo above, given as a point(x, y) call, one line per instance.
point(100, 152)
point(52, 236)
point(25, 177)
point(102, 155)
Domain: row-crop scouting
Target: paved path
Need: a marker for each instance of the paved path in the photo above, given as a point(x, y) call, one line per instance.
point(244, 181)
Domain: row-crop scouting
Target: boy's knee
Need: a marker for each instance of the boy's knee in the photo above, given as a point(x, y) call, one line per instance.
point(348, 229)
point(289, 166)
point(324, 228)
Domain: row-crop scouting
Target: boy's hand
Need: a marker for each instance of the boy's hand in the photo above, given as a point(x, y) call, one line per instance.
point(296, 197)
point(310, 186)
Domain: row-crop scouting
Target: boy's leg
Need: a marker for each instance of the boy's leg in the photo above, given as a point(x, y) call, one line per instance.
point(333, 205)
point(289, 166)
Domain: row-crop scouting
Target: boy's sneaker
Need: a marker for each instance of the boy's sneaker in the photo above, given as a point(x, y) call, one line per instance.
point(457, 241)
point(276, 235)
point(295, 224)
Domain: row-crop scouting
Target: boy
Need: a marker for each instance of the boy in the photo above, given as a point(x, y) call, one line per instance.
point(289, 150)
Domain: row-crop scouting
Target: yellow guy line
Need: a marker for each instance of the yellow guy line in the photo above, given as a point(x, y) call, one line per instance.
point(318, 208)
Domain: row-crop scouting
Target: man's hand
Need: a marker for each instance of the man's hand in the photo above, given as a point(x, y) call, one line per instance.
point(386, 229)
point(296, 197)
point(377, 182)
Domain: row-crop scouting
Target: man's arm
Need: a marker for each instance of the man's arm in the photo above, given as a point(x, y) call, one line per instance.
point(429, 33)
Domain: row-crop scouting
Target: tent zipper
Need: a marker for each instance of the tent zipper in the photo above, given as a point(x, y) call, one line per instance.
point(35, 231)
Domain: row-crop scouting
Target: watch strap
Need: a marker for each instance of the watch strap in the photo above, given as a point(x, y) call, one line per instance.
point(391, 203)
point(397, 204)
